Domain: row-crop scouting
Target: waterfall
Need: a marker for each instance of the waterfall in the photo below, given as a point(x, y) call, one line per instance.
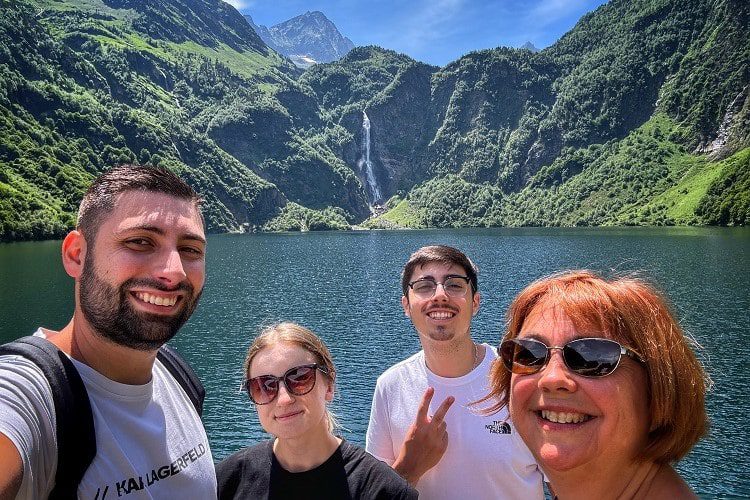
point(372, 183)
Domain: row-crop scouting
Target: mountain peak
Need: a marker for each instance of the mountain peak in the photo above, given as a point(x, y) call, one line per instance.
point(529, 46)
point(306, 39)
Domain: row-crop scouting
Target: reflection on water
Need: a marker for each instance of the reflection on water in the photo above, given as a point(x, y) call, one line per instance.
point(345, 286)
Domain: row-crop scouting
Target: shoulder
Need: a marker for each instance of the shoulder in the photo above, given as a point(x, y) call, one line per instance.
point(485, 366)
point(368, 477)
point(668, 484)
point(410, 369)
point(490, 350)
point(23, 381)
point(361, 459)
point(14, 364)
point(27, 419)
point(251, 456)
point(174, 375)
point(244, 468)
point(490, 355)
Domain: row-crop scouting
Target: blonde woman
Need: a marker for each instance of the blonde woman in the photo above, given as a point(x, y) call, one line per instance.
point(289, 376)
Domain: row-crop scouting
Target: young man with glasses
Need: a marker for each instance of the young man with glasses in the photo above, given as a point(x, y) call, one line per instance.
point(439, 442)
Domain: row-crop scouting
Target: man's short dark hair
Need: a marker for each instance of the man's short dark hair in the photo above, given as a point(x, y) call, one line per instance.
point(101, 196)
point(440, 254)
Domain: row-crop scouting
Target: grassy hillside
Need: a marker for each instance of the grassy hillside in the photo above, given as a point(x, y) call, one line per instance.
point(643, 179)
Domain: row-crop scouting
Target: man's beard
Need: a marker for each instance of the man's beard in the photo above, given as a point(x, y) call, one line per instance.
point(111, 315)
point(441, 333)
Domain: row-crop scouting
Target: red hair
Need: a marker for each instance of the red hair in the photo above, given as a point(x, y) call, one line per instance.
point(635, 314)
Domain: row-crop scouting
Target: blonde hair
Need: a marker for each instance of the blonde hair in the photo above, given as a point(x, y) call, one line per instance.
point(302, 337)
point(634, 313)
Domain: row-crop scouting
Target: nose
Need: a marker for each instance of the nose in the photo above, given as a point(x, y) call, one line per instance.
point(555, 376)
point(284, 397)
point(439, 292)
point(171, 269)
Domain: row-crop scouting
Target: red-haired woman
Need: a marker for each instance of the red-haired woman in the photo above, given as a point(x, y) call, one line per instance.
point(602, 385)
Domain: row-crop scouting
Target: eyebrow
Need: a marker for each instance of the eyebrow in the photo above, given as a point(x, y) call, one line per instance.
point(530, 335)
point(538, 336)
point(161, 232)
point(445, 277)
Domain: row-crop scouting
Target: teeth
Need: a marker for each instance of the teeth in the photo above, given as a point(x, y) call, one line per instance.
point(155, 299)
point(564, 418)
point(441, 315)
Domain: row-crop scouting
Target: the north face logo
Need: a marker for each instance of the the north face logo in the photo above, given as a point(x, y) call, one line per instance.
point(498, 427)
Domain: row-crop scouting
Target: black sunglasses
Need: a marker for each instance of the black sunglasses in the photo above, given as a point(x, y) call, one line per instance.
point(589, 357)
point(298, 381)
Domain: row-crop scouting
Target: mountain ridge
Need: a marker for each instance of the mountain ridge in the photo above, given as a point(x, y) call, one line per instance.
point(638, 115)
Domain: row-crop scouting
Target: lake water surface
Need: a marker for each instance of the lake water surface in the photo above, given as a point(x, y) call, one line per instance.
point(345, 287)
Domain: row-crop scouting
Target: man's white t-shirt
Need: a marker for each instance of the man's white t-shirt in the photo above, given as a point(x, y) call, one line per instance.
point(485, 459)
point(150, 440)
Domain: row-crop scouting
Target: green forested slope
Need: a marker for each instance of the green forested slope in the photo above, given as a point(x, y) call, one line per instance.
point(727, 201)
point(604, 126)
point(639, 115)
point(86, 85)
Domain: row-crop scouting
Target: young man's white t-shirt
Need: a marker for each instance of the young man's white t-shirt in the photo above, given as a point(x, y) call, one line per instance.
point(150, 440)
point(485, 459)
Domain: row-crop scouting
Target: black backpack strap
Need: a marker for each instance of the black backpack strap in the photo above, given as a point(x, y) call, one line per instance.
point(184, 374)
point(76, 439)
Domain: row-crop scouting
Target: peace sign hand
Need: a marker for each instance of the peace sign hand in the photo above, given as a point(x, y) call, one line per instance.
point(426, 440)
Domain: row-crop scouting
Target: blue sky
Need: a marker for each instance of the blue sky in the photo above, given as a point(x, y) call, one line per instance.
point(434, 31)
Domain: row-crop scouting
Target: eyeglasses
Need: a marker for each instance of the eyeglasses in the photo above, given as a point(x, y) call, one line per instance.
point(454, 285)
point(589, 357)
point(298, 381)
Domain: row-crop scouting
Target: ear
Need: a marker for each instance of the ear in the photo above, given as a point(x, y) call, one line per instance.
point(405, 305)
point(74, 253)
point(330, 389)
point(475, 304)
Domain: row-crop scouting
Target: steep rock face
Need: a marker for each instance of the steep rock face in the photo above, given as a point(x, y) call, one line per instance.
point(501, 115)
point(234, 197)
point(399, 131)
point(711, 70)
point(258, 131)
point(488, 97)
point(394, 90)
point(613, 69)
point(353, 81)
point(307, 39)
point(478, 117)
point(576, 134)
point(311, 34)
point(262, 32)
point(734, 131)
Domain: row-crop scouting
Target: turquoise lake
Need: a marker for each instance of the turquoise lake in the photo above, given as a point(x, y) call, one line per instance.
point(345, 287)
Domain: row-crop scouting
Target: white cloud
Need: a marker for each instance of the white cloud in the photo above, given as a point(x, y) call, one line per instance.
point(239, 4)
point(433, 20)
point(550, 11)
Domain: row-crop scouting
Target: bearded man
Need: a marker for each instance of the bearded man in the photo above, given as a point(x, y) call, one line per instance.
point(138, 259)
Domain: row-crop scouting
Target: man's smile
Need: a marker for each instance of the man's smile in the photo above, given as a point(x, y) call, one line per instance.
point(440, 315)
point(157, 299)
